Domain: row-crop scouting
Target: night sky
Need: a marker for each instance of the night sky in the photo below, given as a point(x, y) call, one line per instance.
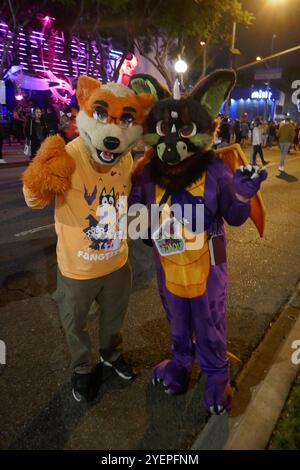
point(280, 17)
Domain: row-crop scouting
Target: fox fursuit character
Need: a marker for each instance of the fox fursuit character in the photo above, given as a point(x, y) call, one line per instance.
point(92, 260)
point(182, 170)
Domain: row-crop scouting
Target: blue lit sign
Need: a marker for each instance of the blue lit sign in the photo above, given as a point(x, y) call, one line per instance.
point(261, 95)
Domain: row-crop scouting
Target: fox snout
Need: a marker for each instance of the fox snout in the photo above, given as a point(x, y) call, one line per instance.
point(111, 143)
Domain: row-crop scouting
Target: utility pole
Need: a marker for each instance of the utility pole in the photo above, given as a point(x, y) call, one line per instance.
point(269, 81)
point(233, 50)
point(233, 53)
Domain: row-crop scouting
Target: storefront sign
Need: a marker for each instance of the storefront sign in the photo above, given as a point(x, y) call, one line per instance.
point(261, 95)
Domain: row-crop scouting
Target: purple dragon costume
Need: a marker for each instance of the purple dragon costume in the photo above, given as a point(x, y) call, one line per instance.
point(193, 283)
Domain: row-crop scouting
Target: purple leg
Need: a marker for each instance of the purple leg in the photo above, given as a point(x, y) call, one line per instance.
point(175, 373)
point(209, 323)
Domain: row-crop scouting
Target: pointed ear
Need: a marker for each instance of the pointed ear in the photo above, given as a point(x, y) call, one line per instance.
point(85, 86)
point(103, 192)
point(214, 89)
point(146, 101)
point(112, 192)
point(146, 84)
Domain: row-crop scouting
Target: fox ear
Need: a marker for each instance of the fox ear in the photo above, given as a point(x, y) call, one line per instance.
point(142, 83)
point(147, 101)
point(213, 90)
point(85, 86)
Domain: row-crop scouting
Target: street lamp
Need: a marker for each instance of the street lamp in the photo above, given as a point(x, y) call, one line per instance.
point(258, 58)
point(180, 67)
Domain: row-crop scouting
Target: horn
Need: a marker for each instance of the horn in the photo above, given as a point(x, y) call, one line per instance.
point(176, 90)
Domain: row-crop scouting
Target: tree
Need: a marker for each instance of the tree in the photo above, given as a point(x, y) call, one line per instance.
point(159, 29)
point(103, 25)
point(178, 27)
point(85, 21)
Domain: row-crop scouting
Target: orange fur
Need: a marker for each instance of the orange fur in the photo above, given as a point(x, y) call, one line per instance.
point(90, 90)
point(117, 103)
point(85, 86)
point(51, 170)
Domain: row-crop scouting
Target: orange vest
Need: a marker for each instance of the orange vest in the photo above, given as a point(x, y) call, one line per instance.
point(186, 273)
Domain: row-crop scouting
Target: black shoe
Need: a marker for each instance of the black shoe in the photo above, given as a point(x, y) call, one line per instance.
point(86, 386)
point(121, 367)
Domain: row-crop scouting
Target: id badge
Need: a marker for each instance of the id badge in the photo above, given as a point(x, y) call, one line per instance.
point(217, 250)
point(167, 238)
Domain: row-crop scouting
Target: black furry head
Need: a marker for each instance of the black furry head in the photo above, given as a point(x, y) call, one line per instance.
point(181, 128)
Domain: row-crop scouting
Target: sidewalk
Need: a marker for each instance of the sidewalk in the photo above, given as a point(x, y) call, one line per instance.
point(263, 387)
point(13, 155)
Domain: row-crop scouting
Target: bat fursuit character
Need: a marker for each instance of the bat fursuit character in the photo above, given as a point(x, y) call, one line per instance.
point(181, 170)
point(87, 178)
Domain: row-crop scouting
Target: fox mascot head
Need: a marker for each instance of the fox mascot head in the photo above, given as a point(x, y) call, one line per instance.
point(111, 117)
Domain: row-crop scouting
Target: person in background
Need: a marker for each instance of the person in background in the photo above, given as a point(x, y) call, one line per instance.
point(296, 136)
point(244, 133)
point(67, 125)
point(286, 135)
point(232, 130)
point(224, 132)
point(271, 134)
point(257, 143)
point(71, 132)
point(18, 123)
point(237, 131)
point(51, 121)
point(35, 130)
point(264, 134)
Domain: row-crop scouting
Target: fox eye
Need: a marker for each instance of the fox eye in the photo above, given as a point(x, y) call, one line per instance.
point(100, 115)
point(162, 128)
point(111, 200)
point(126, 120)
point(189, 130)
point(104, 200)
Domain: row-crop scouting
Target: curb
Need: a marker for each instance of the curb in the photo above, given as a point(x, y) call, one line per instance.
point(263, 387)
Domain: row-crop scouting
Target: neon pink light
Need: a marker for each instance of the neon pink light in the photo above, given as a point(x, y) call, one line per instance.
point(19, 97)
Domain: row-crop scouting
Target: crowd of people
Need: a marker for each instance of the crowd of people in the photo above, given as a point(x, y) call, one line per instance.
point(260, 134)
point(31, 125)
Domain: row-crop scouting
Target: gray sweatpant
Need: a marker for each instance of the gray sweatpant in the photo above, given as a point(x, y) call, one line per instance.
point(75, 297)
point(284, 149)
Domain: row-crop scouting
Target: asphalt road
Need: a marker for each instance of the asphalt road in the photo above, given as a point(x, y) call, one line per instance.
point(36, 407)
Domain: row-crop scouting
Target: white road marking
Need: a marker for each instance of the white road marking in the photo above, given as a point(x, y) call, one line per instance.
point(33, 230)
